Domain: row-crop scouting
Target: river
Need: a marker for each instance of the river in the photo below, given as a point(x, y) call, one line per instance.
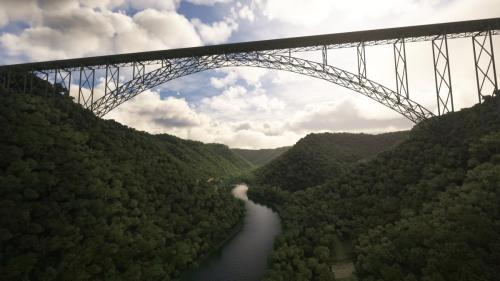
point(245, 256)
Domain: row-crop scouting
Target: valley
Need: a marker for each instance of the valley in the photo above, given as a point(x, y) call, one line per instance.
point(78, 190)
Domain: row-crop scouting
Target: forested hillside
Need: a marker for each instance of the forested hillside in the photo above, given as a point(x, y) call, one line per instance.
point(427, 209)
point(87, 199)
point(260, 157)
point(318, 157)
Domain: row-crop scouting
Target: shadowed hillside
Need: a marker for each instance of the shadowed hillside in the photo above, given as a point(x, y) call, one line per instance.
point(318, 157)
point(87, 199)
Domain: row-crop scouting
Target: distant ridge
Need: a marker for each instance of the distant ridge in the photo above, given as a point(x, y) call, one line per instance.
point(260, 157)
point(318, 157)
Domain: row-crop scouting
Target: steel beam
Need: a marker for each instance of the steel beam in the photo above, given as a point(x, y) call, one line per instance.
point(484, 61)
point(361, 59)
point(442, 76)
point(401, 69)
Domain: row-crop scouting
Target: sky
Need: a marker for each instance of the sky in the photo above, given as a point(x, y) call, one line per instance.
point(246, 107)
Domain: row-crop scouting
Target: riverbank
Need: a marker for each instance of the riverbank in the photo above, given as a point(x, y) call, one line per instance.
point(232, 233)
point(342, 265)
point(217, 248)
point(245, 255)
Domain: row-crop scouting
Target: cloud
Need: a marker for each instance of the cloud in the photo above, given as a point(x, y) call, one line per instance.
point(86, 31)
point(208, 2)
point(173, 29)
point(298, 12)
point(343, 117)
point(149, 112)
point(169, 5)
point(59, 29)
point(250, 75)
point(237, 101)
point(216, 32)
point(18, 11)
point(246, 12)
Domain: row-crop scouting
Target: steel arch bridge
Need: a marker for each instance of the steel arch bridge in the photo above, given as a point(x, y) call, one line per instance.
point(147, 70)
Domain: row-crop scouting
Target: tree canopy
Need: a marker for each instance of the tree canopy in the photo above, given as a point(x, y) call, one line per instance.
point(427, 209)
point(319, 157)
point(83, 198)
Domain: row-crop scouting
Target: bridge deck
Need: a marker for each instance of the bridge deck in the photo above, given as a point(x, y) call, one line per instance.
point(337, 40)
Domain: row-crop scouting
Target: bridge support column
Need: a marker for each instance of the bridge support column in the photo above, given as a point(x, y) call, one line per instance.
point(112, 79)
point(400, 67)
point(324, 52)
point(87, 81)
point(139, 70)
point(442, 74)
point(111, 89)
point(361, 60)
point(484, 61)
point(62, 81)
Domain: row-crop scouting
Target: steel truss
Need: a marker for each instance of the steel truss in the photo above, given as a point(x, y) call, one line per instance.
point(442, 74)
point(86, 87)
point(484, 61)
point(186, 66)
point(401, 69)
point(62, 81)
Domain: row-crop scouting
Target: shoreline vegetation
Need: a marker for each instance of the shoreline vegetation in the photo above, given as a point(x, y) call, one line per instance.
point(217, 248)
point(217, 265)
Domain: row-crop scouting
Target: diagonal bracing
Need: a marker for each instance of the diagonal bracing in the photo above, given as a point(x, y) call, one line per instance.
point(442, 74)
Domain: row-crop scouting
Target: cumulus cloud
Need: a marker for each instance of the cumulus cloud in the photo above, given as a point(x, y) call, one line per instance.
point(84, 32)
point(61, 29)
point(237, 101)
point(153, 4)
point(208, 2)
point(250, 75)
point(216, 32)
point(344, 116)
point(18, 11)
point(246, 12)
point(149, 112)
point(173, 29)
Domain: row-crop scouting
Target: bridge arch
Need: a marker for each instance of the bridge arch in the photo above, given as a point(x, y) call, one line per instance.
point(176, 68)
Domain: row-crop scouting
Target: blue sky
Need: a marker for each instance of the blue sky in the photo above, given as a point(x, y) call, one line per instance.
point(244, 107)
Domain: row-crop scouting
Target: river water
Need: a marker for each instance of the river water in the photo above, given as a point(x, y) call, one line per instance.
point(245, 256)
